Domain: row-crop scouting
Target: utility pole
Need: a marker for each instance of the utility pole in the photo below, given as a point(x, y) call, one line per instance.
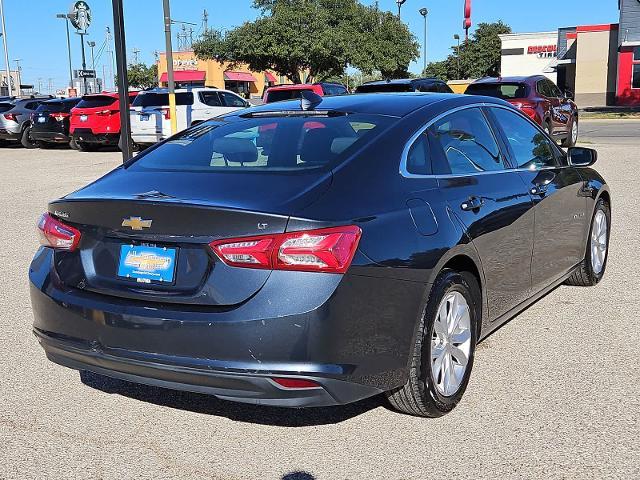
point(94, 81)
point(18, 75)
point(66, 21)
point(205, 21)
point(136, 52)
point(123, 82)
point(424, 12)
point(169, 58)
point(112, 67)
point(6, 51)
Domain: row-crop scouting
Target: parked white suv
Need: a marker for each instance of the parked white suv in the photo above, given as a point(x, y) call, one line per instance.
point(150, 120)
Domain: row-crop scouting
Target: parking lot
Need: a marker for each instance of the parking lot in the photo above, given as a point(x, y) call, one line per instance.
point(555, 393)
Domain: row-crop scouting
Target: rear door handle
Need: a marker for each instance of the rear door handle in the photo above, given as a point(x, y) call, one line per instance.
point(472, 203)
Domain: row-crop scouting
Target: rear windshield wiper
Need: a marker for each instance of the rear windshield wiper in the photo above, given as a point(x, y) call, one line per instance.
point(294, 113)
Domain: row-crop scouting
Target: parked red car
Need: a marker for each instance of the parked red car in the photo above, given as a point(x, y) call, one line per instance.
point(291, 92)
point(95, 121)
point(537, 97)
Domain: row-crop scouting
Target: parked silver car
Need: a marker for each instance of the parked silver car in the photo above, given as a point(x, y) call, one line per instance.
point(15, 119)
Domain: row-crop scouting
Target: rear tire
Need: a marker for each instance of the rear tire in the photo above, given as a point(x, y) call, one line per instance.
point(427, 392)
point(85, 147)
point(591, 271)
point(26, 140)
point(73, 144)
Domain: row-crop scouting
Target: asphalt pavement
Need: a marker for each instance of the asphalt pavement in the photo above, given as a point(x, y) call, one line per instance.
point(554, 394)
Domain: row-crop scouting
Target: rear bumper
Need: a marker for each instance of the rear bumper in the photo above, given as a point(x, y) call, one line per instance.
point(49, 136)
point(352, 337)
point(146, 138)
point(9, 133)
point(87, 136)
point(195, 377)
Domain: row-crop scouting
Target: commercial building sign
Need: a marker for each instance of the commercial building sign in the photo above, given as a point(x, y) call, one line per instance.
point(185, 64)
point(537, 49)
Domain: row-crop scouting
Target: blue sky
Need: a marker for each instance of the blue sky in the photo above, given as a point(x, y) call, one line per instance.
point(37, 38)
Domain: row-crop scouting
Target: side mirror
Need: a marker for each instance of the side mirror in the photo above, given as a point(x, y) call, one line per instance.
point(582, 157)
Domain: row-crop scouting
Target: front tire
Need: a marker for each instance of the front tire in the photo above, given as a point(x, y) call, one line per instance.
point(592, 268)
point(442, 357)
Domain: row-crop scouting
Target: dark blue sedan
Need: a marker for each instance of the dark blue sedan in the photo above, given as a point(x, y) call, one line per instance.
point(318, 252)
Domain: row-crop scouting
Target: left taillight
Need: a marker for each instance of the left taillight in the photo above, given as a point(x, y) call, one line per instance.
point(328, 250)
point(59, 116)
point(53, 233)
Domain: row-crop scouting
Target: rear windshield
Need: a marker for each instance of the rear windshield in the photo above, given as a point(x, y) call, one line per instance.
point(5, 106)
point(506, 91)
point(55, 107)
point(390, 87)
point(280, 95)
point(95, 101)
point(266, 144)
point(154, 99)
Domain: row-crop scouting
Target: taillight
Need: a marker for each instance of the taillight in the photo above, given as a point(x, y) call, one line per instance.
point(53, 233)
point(59, 116)
point(106, 112)
point(295, 383)
point(528, 109)
point(325, 250)
point(11, 116)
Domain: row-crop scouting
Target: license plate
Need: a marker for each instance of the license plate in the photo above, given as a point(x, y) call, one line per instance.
point(41, 119)
point(146, 264)
point(144, 116)
point(83, 118)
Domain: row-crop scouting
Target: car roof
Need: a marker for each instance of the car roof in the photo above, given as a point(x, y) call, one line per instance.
point(511, 79)
point(68, 99)
point(182, 90)
point(390, 104)
point(403, 81)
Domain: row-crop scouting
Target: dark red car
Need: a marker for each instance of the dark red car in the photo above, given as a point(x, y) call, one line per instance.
point(537, 97)
point(95, 121)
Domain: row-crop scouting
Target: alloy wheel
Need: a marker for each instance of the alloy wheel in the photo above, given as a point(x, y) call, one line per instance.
point(574, 132)
point(599, 239)
point(450, 343)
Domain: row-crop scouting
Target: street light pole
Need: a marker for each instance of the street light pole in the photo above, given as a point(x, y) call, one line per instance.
point(400, 3)
point(457, 37)
point(424, 12)
point(84, 60)
point(169, 59)
point(6, 51)
point(66, 20)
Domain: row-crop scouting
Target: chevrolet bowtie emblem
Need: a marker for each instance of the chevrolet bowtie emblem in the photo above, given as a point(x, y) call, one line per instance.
point(136, 223)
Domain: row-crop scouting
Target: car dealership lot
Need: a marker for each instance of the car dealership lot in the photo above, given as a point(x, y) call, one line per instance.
point(554, 393)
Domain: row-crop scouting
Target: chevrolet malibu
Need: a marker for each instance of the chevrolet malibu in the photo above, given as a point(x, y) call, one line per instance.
point(317, 252)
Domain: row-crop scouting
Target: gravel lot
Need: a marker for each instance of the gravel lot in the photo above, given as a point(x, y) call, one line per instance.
point(555, 393)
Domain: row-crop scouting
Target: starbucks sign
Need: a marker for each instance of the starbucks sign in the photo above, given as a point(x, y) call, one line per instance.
point(80, 15)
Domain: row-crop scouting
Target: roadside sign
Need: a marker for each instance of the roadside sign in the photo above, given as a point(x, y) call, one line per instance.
point(85, 74)
point(80, 15)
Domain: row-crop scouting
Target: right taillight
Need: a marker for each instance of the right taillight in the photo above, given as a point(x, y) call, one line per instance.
point(324, 250)
point(11, 116)
point(55, 234)
point(529, 109)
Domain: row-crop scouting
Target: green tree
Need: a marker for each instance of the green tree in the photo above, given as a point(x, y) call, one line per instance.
point(319, 37)
point(142, 76)
point(479, 56)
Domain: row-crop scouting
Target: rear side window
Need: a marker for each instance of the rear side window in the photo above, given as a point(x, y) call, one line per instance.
point(280, 95)
point(155, 99)
point(334, 90)
point(530, 147)
point(444, 88)
point(5, 107)
point(418, 156)
point(96, 101)
point(51, 107)
point(231, 100)
point(211, 98)
point(506, 91)
point(264, 144)
point(467, 142)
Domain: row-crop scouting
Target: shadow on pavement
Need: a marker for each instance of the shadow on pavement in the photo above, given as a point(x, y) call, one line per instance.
point(298, 476)
point(209, 405)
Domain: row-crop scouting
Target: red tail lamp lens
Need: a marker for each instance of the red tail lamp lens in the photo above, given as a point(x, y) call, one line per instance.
point(295, 383)
point(324, 250)
point(53, 233)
